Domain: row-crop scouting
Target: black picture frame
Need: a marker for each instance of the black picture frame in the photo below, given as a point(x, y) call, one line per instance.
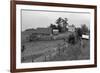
point(13, 35)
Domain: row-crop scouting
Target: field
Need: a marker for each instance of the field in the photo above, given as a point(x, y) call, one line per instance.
point(37, 47)
point(41, 51)
point(75, 52)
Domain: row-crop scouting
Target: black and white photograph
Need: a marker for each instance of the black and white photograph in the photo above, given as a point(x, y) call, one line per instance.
point(50, 36)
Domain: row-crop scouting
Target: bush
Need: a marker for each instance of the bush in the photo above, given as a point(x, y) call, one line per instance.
point(85, 29)
point(71, 39)
point(23, 48)
point(79, 33)
point(33, 38)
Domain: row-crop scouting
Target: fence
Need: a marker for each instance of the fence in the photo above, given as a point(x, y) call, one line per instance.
point(48, 55)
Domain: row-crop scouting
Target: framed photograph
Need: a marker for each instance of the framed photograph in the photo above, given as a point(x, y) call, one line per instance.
point(52, 36)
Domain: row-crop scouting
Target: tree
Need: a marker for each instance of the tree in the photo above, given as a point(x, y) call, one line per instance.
point(53, 26)
point(71, 39)
point(78, 32)
point(59, 20)
point(59, 28)
point(65, 22)
point(62, 23)
point(73, 25)
point(84, 29)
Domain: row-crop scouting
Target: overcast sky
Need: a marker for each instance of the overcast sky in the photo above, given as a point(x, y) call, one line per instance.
point(34, 19)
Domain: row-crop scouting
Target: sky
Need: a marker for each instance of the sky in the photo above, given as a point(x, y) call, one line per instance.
point(40, 18)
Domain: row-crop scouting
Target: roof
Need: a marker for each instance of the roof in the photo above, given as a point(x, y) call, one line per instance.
point(44, 30)
point(27, 32)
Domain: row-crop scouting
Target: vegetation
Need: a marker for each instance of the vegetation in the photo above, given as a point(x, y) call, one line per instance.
point(33, 37)
point(72, 49)
point(78, 32)
point(71, 39)
point(85, 29)
point(61, 24)
point(53, 26)
point(23, 48)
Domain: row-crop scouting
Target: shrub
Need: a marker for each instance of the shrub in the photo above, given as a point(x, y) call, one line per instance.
point(71, 39)
point(78, 33)
point(23, 48)
point(33, 37)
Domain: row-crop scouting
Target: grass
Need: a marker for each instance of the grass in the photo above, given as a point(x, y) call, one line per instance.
point(74, 52)
point(38, 47)
point(35, 49)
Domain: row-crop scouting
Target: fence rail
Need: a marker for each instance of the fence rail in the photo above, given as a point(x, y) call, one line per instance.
point(47, 55)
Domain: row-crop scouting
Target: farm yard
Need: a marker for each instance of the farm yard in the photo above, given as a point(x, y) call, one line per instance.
point(55, 50)
point(74, 52)
point(40, 46)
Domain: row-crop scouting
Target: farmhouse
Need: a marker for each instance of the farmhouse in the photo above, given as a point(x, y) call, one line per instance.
point(41, 34)
point(71, 28)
